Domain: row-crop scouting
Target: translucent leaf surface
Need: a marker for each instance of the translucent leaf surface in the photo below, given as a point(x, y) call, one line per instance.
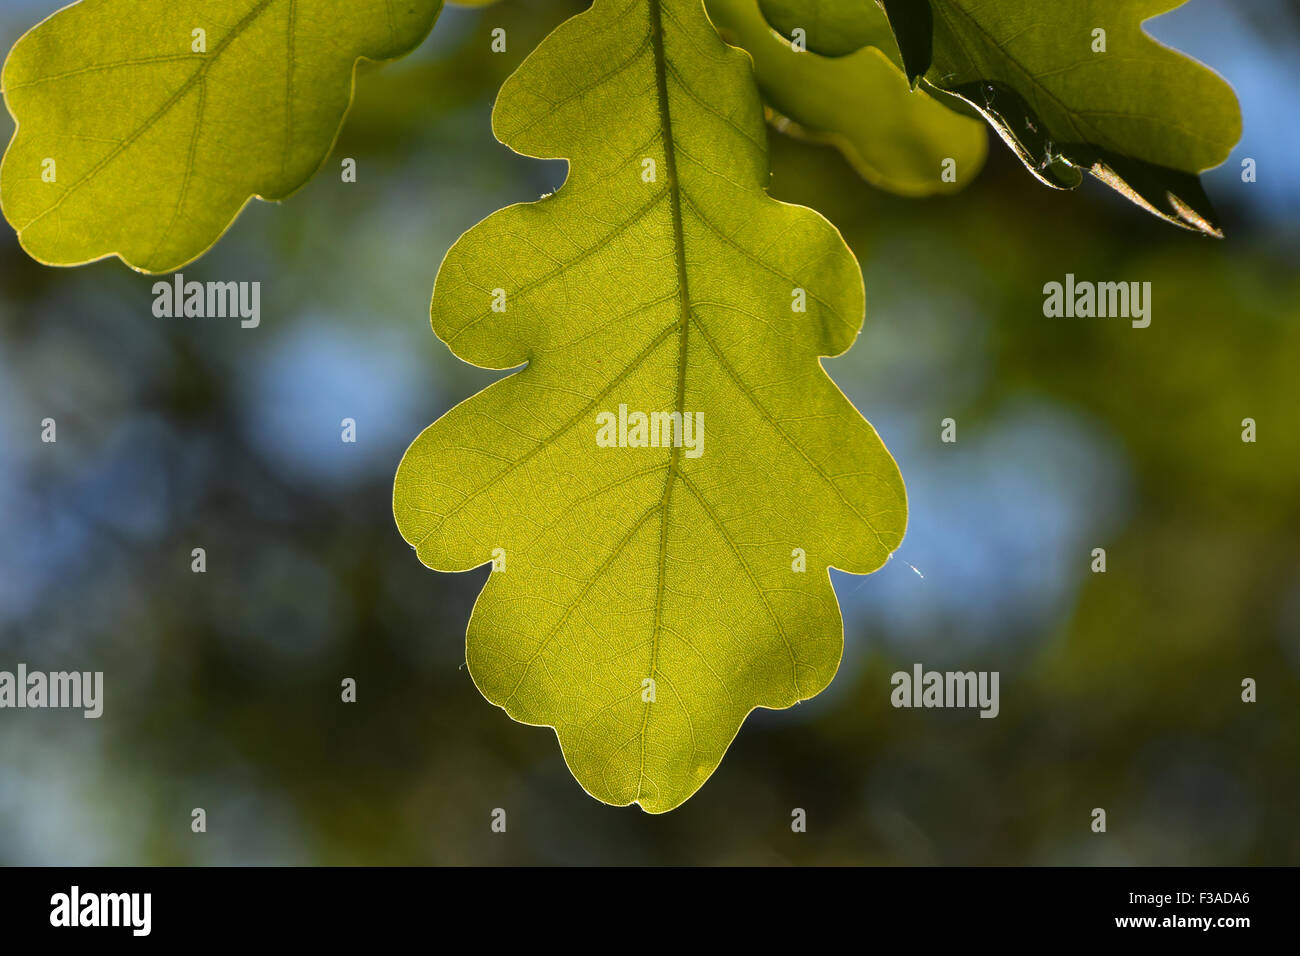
point(645, 599)
point(145, 126)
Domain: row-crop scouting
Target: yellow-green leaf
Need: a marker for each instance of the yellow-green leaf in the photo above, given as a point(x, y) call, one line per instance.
point(896, 138)
point(831, 27)
point(143, 127)
point(643, 600)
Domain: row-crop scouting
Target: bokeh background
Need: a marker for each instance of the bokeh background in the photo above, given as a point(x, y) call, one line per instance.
point(1119, 690)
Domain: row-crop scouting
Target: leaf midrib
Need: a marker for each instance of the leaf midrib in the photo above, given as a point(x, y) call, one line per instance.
point(683, 299)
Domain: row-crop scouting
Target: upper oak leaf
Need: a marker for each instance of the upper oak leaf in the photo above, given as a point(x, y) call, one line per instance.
point(898, 139)
point(144, 127)
point(1077, 84)
point(663, 485)
point(830, 27)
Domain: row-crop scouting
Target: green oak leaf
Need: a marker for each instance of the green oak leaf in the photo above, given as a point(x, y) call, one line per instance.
point(1143, 118)
point(644, 599)
point(832, 27)
point(861, 103)
point(155, 147)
